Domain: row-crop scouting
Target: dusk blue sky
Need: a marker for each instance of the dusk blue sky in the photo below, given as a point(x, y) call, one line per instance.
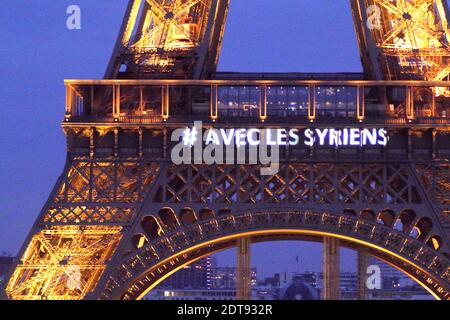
point(38, 52)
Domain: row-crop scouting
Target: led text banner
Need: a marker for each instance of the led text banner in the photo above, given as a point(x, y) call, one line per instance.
point(346, 137)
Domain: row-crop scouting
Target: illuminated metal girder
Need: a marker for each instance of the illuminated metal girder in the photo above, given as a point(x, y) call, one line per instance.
point(403, 39)
point(331, 268)
point(362, 264)
point(63, 263)
point(169, 39)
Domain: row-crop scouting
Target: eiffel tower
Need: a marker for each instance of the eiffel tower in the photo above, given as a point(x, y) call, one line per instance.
point(123, 217)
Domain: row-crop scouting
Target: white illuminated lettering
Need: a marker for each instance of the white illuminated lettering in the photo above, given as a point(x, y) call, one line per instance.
point(309, 135)
point(384, 137)
point(253, 133)
point(345, 137)
point(355, 136)
point(240, 137)
point(322, 135)
point(212, 137)
point(227, 136)
point(370, 135)
point(270, 142)
point(335, 139)
point(281, 137)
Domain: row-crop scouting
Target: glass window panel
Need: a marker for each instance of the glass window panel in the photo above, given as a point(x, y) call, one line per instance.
point(239, 101)
point(336, 101)
point(287, 101)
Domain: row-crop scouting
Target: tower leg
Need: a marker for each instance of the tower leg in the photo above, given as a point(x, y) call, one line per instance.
point(243, 272)
point(331, 268)
point(362, 275)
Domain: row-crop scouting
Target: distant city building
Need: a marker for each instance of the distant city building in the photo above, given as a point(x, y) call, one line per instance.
point(273, 281)
point(348, 284)
point(202, 280)
point(395, 285)
point(225, 277)
point(300, 287)
point(283, 278)
point(391, 278)
point(195, 276)
point(204, 274)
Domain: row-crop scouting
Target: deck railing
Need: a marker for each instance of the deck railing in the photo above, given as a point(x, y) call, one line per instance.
point(290, 101)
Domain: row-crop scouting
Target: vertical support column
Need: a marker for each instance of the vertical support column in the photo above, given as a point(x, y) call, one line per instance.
point(434, 149)
point(92, 100)
point(363, 263)
point(70, 101)
point(410, 146)
point(331, 268)
point(141, 142)
point(263, 103)
point(92, 142)
point(433, 104)
point(360, 103)
point(410, 103)
point(165, 143)
point(116, 142)
point(141, 101)
point(243, 272)
point(133, 11)
point(126, 31)
point(116, 102)
point(311, 103)
point(214, 102)
point(165, 102)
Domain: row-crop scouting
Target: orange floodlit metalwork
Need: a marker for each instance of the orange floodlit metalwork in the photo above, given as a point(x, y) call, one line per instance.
point(211, 248)
point(404, 39)
point(163, 38)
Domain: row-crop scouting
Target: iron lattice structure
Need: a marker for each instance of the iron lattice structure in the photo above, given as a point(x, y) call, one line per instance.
point(169, 38)
point(122, 217)
point(403, 39)
point(64, 263)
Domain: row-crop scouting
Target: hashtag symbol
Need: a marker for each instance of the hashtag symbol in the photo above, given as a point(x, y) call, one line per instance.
point(190, 137)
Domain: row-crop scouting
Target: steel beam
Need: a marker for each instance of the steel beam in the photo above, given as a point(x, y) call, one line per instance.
point(363, 262)
point(331, 268)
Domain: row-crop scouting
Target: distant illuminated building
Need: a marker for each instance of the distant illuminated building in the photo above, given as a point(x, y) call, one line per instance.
point(190, 294)
point(348, 284)
point(203, 280)
point(194, 276)
point(298, 289)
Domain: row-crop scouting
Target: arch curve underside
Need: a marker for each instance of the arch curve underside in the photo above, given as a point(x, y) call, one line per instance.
point(146, 267)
